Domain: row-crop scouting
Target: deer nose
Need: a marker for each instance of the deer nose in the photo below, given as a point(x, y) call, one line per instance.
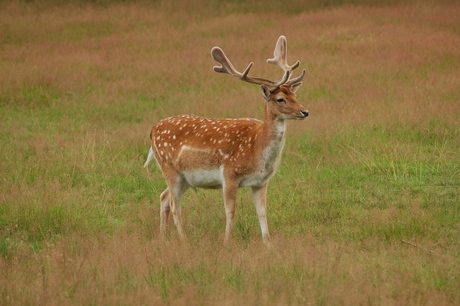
point(304, 113)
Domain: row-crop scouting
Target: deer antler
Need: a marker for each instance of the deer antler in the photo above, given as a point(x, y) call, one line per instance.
point(280, 55)
point(280, 59)
point(227, 67)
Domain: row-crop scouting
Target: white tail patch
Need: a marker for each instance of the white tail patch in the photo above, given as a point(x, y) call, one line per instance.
point(149, 158)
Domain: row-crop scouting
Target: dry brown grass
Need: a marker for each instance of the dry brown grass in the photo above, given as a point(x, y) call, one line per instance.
point(375, 164)
point(127, 268)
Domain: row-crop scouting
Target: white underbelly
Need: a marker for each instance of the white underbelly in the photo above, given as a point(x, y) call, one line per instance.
point(214, 178)
point(204, 178)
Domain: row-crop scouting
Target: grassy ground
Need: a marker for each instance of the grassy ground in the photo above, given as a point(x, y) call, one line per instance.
point(365, 208)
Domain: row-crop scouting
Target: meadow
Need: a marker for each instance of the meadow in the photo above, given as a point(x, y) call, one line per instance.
point(364, 210)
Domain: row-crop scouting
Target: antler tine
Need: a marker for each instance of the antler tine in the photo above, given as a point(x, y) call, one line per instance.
point(297, 79)
point(227, 67)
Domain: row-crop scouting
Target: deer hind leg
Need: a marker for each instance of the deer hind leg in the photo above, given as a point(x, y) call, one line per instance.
point(164, 212)
point(230, 191)
point(171, 197)
point(259, 195)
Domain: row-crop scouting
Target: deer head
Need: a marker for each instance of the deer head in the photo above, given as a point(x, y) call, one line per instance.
point(280, 93)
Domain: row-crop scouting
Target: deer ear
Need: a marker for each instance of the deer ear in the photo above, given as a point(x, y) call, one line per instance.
point(295, 86)
point(265, 92)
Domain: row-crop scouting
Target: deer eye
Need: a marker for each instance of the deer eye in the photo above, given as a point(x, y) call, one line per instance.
point(281, 101)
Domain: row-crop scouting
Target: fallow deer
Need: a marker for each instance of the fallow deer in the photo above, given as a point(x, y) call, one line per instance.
point(229, 154)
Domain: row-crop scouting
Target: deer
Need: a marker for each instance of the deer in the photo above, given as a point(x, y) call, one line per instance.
point(228, 154)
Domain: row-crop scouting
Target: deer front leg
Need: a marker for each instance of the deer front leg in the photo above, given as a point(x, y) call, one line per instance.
point(259, 195)
point(230, 190)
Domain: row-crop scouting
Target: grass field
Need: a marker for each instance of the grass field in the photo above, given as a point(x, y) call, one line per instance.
point(365, 208)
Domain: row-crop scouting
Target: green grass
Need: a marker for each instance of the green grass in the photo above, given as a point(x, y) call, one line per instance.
point(363, 210)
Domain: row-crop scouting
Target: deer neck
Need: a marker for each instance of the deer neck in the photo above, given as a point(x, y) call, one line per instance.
point(274, 128)
point(273, 132)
